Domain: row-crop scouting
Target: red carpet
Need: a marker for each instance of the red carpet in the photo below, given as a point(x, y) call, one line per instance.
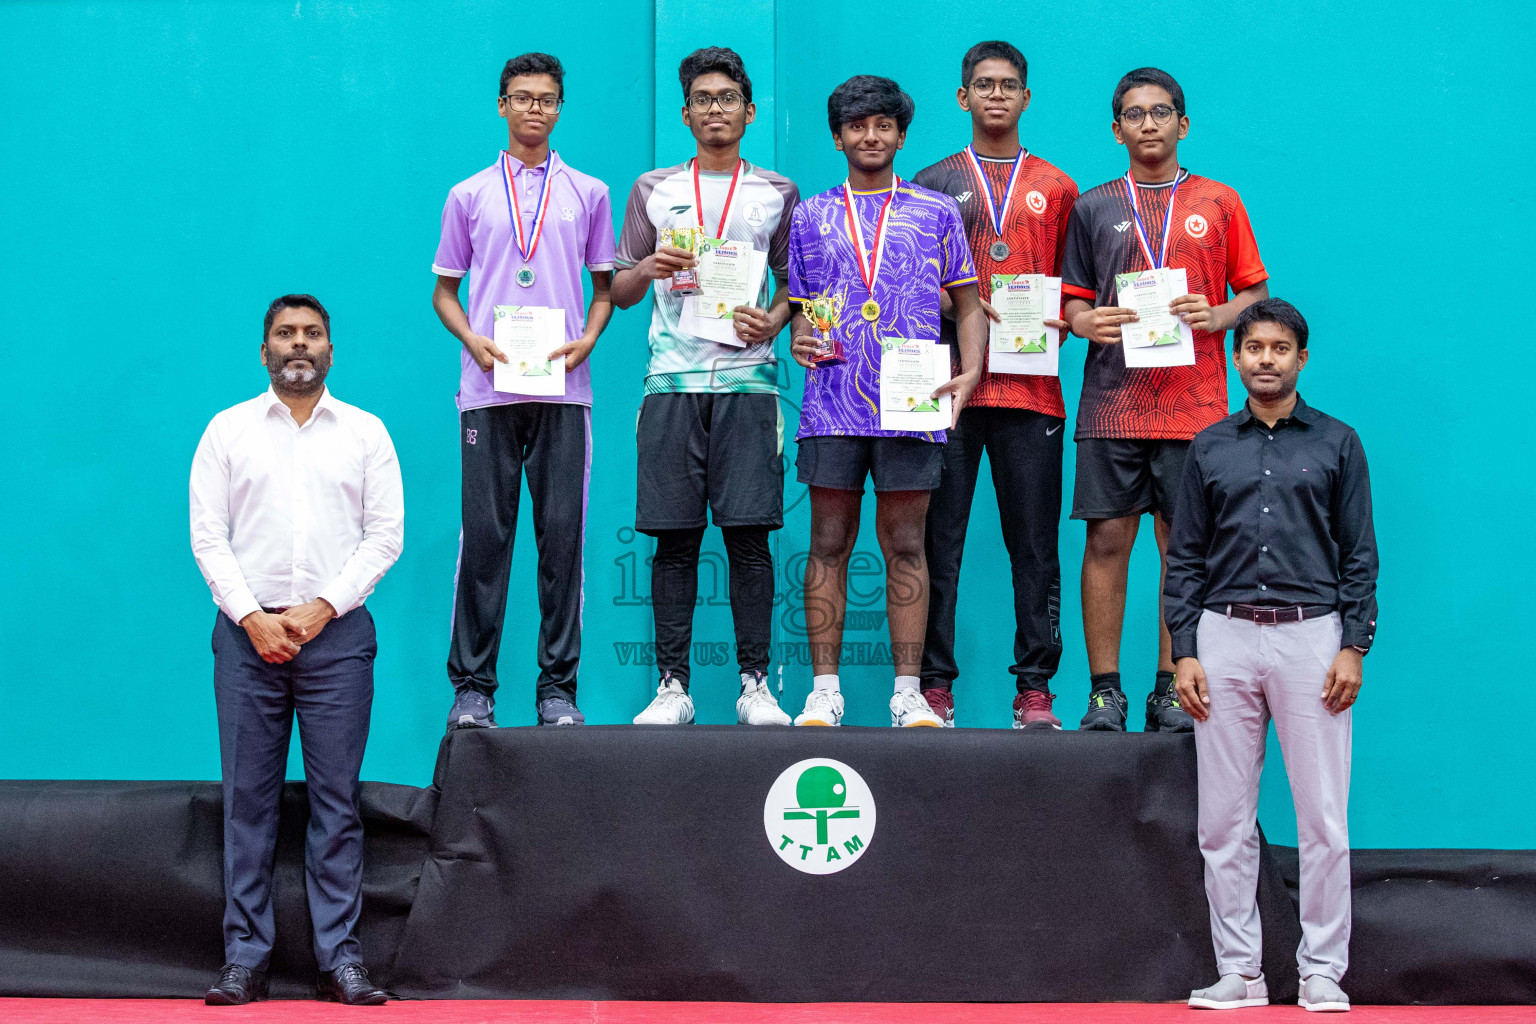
point(169, 1011)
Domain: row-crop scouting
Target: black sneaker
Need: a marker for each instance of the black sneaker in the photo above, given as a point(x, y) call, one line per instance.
point(1165, 714)
point(1106, 711)
point(471, 710)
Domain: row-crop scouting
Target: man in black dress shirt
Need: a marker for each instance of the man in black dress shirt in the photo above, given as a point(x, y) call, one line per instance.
point(1271, 603)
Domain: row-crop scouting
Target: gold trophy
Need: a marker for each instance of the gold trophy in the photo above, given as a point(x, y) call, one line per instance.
point(824, 312)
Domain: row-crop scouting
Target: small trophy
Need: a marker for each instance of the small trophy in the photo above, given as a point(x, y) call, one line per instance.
point(684, 282)
point(823, 313)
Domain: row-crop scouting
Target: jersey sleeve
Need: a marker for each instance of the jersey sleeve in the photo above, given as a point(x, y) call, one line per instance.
point(1079, 279)
point(799, 287)
point(778, 244)
point(1244, 268)
point(637, 239)
point(454, 250)
point(955, 267)
point(600, 242)
point(1068, 201)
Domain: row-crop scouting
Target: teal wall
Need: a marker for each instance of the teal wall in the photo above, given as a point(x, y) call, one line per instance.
point(168, 168)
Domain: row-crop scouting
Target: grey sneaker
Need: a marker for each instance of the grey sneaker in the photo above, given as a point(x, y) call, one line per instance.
point(1165, 714)
point(472, 710)
point(1106, 711)
point(1322, 994)
point(1232, 992)
point(559, 711)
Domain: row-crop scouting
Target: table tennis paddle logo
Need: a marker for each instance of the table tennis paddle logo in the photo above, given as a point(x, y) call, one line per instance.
point(819, 816)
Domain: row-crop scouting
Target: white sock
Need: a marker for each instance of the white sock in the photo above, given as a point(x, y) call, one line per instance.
point(828, 682)
point(749, 679)
point(906, 683)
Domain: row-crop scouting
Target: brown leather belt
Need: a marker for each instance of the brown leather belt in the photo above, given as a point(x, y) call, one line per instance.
point(1271, 615)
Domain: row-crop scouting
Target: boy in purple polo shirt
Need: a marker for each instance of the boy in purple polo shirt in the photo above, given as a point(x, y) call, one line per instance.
point(522, 229)
point(886, 248)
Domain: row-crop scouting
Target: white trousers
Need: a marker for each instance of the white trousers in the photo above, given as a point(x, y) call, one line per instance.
point(1254, 673)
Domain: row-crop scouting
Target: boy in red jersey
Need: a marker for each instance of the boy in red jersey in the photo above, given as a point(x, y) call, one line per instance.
point(1134, 425)
point(1015, 207)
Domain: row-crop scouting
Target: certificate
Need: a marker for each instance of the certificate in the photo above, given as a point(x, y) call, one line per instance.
point(527, 335)
point(1022, 343)
point(910, 371)
point(721, 328)
point(725, 278)
point(1157, 338)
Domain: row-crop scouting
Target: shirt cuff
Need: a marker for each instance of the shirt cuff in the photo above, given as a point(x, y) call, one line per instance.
point(600, 267)
point(339, 596)
point(1357, 636)
point(447, 271)
point(241, 604)
point(964, 280)
point(1077, 292)
point(1184, 645)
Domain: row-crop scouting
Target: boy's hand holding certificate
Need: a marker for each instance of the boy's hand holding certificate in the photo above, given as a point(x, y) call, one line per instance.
point(527, 335)
point(910, 371)
point(1157, 337)
point(1021, 342)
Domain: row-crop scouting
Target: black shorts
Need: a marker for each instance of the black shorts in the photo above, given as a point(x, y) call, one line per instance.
point(723, 451)
point(896, 463)
point(1119, 477)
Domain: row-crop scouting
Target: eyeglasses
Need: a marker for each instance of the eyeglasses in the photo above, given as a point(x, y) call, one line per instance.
point(1161, 114)
point(700, 102)
point(1011, 87)
point(521, 102)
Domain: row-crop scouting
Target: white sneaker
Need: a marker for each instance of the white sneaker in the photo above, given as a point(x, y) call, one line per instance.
point(1232, 992)
point(908, 708)
point(672, 705)
point(822, 707)
point(1320, 993)
point(756, 705)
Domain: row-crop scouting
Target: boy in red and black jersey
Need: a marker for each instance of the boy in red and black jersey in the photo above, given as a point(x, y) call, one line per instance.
point(1015, 207)
point(1135, 425)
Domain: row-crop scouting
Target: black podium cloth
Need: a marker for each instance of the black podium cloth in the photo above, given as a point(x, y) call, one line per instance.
point(116, 888)
point(622, 862)
point(615, 863)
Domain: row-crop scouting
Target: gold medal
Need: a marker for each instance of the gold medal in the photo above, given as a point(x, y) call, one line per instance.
point(870, 311)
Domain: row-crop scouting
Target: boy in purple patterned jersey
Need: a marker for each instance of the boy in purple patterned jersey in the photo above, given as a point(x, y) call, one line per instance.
point(916, 248)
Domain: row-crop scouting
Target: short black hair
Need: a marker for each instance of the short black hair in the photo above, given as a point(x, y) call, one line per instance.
point(709, 60)
point(534, 64)
point(1148, 76)
point(992, 49)
point(295, 301)
point(866, 95)
point(1270, 311)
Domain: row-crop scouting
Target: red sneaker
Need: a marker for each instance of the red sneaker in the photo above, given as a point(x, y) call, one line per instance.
point(943, 704)
point(1032, 710)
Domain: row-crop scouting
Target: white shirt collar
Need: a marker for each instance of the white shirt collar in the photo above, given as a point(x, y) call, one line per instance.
point(326, 403)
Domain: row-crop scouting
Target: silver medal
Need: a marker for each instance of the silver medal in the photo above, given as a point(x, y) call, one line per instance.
point(525, 277)
point(999, 251)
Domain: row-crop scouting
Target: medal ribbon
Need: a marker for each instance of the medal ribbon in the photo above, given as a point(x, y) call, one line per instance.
point(872, 271)
point(995, 213)
point(725, 211)
point(1141, 231)
point(527, 242)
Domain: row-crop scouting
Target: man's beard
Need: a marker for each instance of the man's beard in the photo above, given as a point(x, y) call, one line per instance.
point(297, 382)
point(1278, 391)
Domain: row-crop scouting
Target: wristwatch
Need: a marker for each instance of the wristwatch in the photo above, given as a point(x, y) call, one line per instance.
point(1363, 650)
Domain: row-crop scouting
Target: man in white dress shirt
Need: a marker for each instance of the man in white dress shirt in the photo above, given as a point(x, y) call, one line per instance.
point(297, 513)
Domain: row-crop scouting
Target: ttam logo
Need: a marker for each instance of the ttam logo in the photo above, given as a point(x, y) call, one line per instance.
point(1196, 225)
point(755, 214)
point(1122, 226)
point(819, 816)
point(1035, 201)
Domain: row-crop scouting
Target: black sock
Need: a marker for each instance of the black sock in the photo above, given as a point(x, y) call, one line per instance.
point(1105, 681)
point(1164, 684)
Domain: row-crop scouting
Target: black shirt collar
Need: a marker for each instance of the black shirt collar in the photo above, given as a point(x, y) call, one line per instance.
point(1303, 415)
